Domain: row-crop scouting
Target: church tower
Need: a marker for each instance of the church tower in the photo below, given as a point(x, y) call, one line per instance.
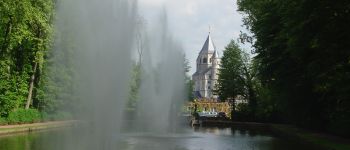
point(205, 77)
point(204, 60)
point(215, 72)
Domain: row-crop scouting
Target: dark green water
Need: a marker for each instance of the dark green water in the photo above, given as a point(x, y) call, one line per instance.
point(190, 139)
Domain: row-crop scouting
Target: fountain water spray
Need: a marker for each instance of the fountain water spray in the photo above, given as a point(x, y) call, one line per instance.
point(102, 36)
point(162, 84)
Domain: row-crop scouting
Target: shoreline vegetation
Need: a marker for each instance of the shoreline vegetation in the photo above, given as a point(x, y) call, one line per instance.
point(27, 116)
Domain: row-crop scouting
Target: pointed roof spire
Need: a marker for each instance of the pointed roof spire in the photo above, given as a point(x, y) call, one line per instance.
point(208, 45)
point(215, 55)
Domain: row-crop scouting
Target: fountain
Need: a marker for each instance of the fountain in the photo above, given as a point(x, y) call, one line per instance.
point(102, 35)
point(162, 82)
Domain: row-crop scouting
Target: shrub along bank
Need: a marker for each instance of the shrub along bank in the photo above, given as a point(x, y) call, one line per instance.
point(25, 116)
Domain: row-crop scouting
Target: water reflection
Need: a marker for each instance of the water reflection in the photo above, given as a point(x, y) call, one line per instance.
point(191, 139)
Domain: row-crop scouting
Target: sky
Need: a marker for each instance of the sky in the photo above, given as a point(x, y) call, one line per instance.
point(189, 22)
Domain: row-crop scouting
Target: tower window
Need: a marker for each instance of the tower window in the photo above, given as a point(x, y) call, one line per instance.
point(205, 60)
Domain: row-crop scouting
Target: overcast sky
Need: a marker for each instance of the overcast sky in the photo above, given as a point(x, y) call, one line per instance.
point(189, 22)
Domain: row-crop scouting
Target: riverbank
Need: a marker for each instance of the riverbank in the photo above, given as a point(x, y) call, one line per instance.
point(321, 141)
point(13, 129)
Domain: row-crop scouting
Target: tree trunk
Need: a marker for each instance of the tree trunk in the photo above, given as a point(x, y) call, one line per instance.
point(31, 86)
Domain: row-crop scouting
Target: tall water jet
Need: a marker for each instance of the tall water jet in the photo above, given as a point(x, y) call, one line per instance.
point(162, 81)
point(101, 36)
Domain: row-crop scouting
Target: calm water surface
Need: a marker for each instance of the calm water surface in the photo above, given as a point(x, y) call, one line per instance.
point(190, 139)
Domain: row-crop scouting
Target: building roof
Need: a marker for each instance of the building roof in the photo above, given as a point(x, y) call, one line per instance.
point(203, 72)
point(208, 45)
point(215, 55)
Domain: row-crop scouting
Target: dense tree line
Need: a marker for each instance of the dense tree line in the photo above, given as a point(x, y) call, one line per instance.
point(302, 61)
point(25, 36)
point(29, 75)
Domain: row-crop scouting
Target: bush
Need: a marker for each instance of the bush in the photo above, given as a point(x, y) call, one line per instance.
point(46, 117)
point(3, 121)
point(60, 115)
point(242, 113)
point(21, 116)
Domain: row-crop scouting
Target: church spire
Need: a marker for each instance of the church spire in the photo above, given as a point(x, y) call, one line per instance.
point(208, 45)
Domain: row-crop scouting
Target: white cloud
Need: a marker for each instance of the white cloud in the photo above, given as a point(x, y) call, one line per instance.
point(191, 9)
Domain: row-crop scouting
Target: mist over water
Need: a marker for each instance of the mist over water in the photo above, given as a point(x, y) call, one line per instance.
point(102, 35)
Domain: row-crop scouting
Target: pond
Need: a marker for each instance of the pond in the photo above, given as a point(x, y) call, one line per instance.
point(202, 138)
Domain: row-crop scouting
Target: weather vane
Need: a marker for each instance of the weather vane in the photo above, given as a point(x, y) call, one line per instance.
point(209, 29)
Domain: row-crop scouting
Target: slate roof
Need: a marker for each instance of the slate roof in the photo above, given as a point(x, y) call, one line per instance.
point(202, 72)
point(208, 46)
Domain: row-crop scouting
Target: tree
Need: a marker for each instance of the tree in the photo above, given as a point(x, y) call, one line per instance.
point(304, 58)
point(41, 27)
point(231, 79)
point(140, 39)
point(251, 84)
point(237, 77)
point(188, 81)
point(134, 87)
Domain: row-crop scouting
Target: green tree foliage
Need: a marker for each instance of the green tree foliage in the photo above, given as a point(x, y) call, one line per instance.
point(188, 81)
point(231, 80)
point(189, 86)
point(237, 77)
point(303, 50)
point(25, 37)
point(56, 89)
point(24, 116)
point(33, 72)
point(134, 86)
point(251, 84)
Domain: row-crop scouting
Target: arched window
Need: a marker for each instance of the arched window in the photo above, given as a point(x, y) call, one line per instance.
point(205, 60)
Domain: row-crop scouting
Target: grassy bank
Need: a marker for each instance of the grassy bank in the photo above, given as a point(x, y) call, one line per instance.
point(12, 129)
